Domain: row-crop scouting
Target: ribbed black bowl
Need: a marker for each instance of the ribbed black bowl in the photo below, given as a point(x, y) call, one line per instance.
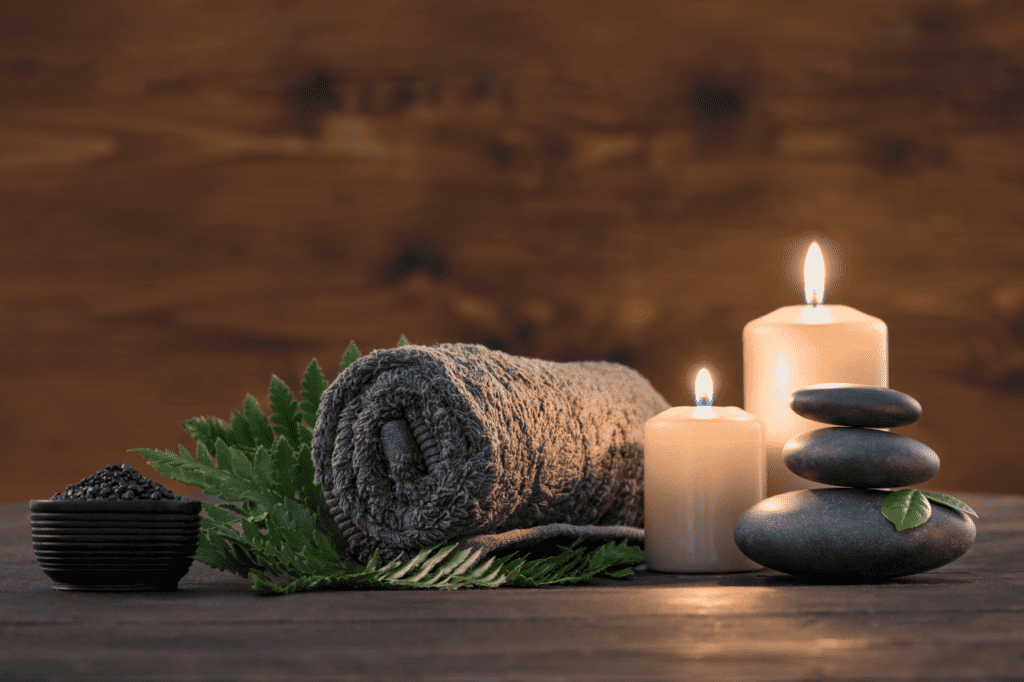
point(116, 546)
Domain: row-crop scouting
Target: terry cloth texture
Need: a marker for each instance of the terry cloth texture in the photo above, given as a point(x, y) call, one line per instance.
point(418, 445)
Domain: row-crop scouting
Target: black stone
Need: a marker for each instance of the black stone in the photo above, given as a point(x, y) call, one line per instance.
point(855, 405)
point(116, 481)
point(860, 458)
point(840, 535)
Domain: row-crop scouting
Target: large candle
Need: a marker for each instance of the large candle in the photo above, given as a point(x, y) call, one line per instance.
point(703, 467)
point(799, 346)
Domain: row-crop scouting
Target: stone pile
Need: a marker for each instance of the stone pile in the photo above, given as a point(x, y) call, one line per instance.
point(840, 534)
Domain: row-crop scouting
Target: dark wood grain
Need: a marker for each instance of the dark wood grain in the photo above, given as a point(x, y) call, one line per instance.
point(196, 195)
point(964, 621)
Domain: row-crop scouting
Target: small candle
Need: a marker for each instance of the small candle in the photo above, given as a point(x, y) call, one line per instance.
point(703, 467)
point(799, 346)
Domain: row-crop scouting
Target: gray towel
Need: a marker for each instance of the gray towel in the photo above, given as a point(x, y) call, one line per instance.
point(417, 445)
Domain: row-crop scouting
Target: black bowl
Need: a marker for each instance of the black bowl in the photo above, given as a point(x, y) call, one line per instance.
point(116, 546)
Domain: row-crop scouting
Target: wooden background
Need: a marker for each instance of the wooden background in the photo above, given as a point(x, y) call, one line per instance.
point(195, 194)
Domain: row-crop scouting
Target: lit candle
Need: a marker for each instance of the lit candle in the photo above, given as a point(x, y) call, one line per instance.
point(799, 346)
point(703, 467)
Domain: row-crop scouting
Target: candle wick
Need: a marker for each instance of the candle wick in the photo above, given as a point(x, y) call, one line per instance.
point(815, 299)
point(704, 400)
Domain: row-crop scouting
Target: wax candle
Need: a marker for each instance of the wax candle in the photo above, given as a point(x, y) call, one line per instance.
point(799, 346)
point(703, 467)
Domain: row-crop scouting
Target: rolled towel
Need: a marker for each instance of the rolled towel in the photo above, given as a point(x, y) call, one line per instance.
point(417, 445)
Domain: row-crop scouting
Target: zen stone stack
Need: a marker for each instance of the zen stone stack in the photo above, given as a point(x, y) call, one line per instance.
point(840, 534)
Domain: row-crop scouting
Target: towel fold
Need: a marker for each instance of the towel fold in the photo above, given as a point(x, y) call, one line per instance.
point(417, 445)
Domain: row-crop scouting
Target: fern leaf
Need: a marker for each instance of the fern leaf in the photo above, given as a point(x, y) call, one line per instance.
point(350, 356)
point(264, 585)
point(480, 570)
point(203, 455)
point(428, 565)
point(493, 579)
point(313, 387)
point(221, 513)
point(284, 411)
point(399, 573)
point(169, 464)
point(449, 573)
point(283, 468)
point(207, 430)
point(621, 573)
point(240, 464)
point(252, 534)
point(290, 558)
point(312, 496)
point(198, 428)
point(295, 520)
point(263, 466)
point(246, 557)
point(215, 552)
point(305, 436)
point(304, 472)
point(223, 454)
point(234, 508)
point(259, 425)
point(224, 530)
point(240, 433)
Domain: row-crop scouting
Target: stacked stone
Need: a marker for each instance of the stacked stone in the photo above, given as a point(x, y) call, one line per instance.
point(840, 534)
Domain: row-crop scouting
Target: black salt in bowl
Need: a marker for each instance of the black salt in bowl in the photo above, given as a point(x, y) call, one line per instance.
point(95, 537)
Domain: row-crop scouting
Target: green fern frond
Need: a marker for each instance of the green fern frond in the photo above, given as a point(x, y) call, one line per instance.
point(241, 436)
point(313, 386)
point(207, 430)
point(259, 425)
point(284, 412)
point(350, 356)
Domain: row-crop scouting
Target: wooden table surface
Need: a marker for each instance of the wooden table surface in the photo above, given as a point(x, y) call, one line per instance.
point(964, 621)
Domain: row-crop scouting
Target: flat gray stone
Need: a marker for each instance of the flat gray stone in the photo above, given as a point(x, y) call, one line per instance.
point(860, 458)
point(855, 405)
point(840, 535)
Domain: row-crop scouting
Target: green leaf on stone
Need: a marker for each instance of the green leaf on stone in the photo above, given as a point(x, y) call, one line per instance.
point(951, 502)
point(402, 341)
point(906, 508)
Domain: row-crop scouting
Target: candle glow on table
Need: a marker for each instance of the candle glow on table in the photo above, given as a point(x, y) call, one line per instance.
point(799, 346)
point(703, 467)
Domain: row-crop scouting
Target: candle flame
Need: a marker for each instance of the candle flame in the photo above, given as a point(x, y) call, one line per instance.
point(705, 392)
point(814, 276)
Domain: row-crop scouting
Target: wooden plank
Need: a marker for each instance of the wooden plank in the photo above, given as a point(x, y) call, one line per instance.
point(963, 621)
point(934, 597)
point(584, 647)
point(195, 196)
